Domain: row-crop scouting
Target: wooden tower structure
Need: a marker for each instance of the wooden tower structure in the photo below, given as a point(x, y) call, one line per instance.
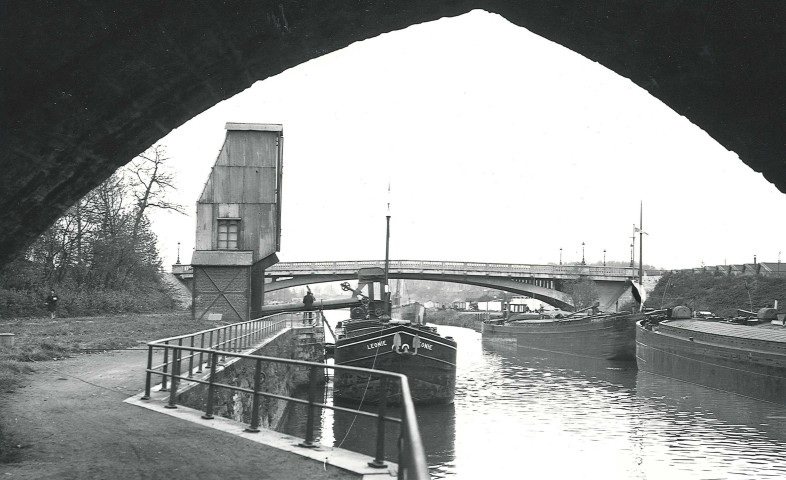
point(238, 228)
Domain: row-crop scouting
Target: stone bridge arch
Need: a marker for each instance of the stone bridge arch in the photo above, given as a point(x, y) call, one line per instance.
point(88, 86)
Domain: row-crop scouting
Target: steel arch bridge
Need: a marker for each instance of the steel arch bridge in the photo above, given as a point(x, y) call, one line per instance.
point(542, 282)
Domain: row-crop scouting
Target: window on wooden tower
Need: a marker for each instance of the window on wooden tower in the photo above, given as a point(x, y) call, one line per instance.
point(228, 231)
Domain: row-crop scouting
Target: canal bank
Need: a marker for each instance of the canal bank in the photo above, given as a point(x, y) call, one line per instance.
point(69, 421)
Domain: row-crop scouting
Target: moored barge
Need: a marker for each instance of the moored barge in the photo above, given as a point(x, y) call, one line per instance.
point(372, 339)
point(747, 359)
point(607, 336)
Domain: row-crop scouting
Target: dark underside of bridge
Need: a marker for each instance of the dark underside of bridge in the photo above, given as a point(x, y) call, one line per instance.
point(88, 85)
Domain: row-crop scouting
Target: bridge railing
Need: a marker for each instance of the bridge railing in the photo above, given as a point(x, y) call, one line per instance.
point(503, 268)
point(209, 349)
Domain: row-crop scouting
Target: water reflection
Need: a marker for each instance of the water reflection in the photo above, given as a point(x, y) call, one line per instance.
point(731, 433)
point(532, 414)
point(437, 425)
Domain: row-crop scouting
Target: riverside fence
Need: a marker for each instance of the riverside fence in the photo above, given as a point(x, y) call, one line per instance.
point(186, 356)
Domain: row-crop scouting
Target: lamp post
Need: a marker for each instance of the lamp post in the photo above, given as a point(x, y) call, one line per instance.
point(582, 254)
point(560, 255)
point(178, 254)
point(631, 255)
point(604, 257)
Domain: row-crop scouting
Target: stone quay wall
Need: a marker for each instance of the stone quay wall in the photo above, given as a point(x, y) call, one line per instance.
point(300, 343)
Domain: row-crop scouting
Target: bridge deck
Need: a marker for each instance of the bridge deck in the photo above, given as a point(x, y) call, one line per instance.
point(473, 268)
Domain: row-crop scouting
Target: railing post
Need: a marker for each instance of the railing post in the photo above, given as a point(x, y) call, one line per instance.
point(176, 354)
point(403, 462)
point(165, 370)
point(312, 395)
point(201, 345)
point(379, 459)
point(149, 374)
point(191, 359)
point(223, 346)
point(254, 428)
point(211, 386)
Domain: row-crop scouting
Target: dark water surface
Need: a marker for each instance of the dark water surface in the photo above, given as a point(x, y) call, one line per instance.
point(525, 415)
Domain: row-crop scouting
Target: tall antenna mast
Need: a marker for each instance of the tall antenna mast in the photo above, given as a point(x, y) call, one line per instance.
point(641, 243)
point(387, 255)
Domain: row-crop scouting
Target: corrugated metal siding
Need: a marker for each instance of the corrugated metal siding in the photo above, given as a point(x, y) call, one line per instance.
point(243, 184)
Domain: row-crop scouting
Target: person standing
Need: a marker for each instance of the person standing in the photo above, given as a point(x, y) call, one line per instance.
point(51, 304)
point(308, 301)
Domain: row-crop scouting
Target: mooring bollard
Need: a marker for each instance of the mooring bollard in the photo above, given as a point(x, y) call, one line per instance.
point(211, 386)
point(254, 428)
point(312, 395)
point(7, 339)
point(379, 459)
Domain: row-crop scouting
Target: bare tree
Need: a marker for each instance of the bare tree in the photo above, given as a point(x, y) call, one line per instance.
point(151, 182)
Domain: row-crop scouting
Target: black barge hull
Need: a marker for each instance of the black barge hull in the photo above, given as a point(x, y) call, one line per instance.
point(753, 367)
point(606, 338)
point(431, 371)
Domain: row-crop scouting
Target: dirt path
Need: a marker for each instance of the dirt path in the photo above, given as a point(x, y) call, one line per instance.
point(70, 429)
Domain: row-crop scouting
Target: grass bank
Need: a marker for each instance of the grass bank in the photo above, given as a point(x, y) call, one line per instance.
point(41, 339)
point(718, 293)
point(31, 303)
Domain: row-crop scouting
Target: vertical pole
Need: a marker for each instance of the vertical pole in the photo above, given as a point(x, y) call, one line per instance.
point(386, 295)
point(254, 428)
point(641, 244)
point(379, 458)
point(201, 359)
point(176, 354)
point(211, 386)
point(191, 358)
point(312, 396)
point(222, 345)
point(146, 396)
point(166, 362)
point(403, 454)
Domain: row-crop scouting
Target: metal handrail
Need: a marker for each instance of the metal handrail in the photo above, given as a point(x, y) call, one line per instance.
point(245, 335)
point(458, 267)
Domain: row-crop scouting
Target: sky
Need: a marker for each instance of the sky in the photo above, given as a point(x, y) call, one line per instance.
point(498, 146)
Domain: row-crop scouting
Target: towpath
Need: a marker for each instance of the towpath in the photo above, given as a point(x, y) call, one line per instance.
point(68, 421)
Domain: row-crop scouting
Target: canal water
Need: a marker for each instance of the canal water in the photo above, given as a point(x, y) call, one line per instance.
point(528, 415)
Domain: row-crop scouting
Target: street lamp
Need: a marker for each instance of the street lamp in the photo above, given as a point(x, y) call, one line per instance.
point(178, 254)
point(560, 255)
point(604, 257)
point(631, 255)
point(582, 254)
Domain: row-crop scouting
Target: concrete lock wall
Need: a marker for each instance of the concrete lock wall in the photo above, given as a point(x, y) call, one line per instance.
point(302, 343)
